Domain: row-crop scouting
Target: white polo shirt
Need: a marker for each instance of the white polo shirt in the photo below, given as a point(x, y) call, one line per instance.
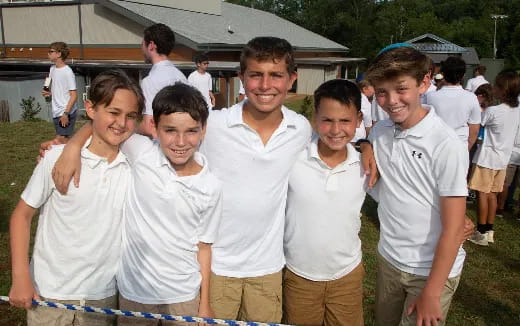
point(501, 124)
point(457, 108)
point(366, 108)
point(163, 73)
point(475, 82)
point(255, 179)
point(321, 240)
point(203, 83)
point(417, 167)
point(166, 217)
point(78, 240)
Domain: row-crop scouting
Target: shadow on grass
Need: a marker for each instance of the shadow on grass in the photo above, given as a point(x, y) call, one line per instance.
point(479, 303)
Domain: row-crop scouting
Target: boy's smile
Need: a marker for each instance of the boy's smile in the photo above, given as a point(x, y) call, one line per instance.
point(180, 136)
point(266, 84)
point(400, 98)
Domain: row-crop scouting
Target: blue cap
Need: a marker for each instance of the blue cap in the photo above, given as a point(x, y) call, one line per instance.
point(395, 46)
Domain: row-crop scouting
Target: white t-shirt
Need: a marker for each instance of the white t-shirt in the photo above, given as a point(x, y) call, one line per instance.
point(62, 81)
point(203, 83)
point(166, 217)
point(501, 124)
point(417, 167)
point(163, 73)
point(322, 223)
point(366, 108)
point(378, 113)
point(457, 108)
point(255, 179)
point(78, 240)
point(475, 82)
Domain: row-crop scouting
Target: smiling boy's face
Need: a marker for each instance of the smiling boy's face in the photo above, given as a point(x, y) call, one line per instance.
point(336, 124)
point(266, 84)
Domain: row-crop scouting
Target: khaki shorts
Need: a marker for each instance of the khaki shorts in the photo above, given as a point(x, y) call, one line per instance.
point(510, 175)
point(188, 308)
point(396, 290)
point(44, 316)
point(250, 298)
point(328, 303)
point(487, 180)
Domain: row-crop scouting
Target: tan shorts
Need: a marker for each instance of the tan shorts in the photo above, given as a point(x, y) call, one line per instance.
point(329, 303)
point(250, 298)
point(44, 316)
point(396, 290)
point(510, 174)
point(487, 180)
point(188, 308)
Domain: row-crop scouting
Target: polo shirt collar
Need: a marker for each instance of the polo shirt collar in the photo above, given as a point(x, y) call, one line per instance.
point(162, 160)
point(235, 116)
point(312, 150)
point(94, 160)
point(420, 129)
point(451, 87)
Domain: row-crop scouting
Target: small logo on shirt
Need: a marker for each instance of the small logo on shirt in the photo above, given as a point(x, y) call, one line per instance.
point(416, 154)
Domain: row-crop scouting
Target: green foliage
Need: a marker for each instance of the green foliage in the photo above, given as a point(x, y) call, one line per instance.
point(365, 26)
point(29, 109)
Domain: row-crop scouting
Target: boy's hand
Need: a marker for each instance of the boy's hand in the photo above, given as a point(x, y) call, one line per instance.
point(22, 293)
point(369, 164)
point(206, 312)
point(427, 308)
point(67, 166)
point(469, 228)
point(45, 146)
point(46, 93)
point(64, 120)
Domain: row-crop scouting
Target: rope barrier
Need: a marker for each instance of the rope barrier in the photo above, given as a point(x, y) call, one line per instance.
point(107, 311)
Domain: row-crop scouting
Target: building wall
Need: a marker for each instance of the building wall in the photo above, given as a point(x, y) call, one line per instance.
point(13, 91)
point(312, 76)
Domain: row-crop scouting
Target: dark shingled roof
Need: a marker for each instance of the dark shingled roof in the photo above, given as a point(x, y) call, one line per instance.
point(424, 43)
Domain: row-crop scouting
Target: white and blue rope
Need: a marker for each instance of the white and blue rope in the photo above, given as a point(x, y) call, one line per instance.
point(115, 312)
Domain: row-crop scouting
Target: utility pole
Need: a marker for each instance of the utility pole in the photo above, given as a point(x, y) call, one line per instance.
point(495, 18)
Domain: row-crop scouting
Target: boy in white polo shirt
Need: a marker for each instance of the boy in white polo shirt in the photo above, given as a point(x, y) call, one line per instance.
point(78, 240)
point(457, 107)
point(201, 79)
point(501, 123)
point(479, 79)
point(323, 281)
point(173, 212)
point(421, 195)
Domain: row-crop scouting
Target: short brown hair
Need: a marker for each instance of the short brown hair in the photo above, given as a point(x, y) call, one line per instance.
point(180, 97)
point(486, 91)
point(398, 62)
point(106, 84)
point(266, 48)
point(62, 48)
point(507, 87)
point(481, 69)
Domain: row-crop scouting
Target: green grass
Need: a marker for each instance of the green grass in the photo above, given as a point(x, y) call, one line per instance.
point(488, 294)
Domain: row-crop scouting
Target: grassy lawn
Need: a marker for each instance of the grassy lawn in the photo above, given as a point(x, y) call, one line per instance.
point(488, 294)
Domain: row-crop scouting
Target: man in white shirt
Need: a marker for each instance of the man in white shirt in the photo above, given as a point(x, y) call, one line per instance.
point(63, 92)
point(157, 44)
point(201, 79)
point(458, 108)
point(475, 82)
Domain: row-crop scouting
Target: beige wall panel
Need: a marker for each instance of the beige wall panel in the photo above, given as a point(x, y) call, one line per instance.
point(309, 78)
point(104, 26)
point(41, 25)
point(331, 72)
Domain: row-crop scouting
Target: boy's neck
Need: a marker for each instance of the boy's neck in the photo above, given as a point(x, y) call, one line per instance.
point(417, 117)
point(331, 157)
point(60, 63)
point(201, 71)
point(158, 58)
point(190, 168)
point(100, 148)
point(264, 123)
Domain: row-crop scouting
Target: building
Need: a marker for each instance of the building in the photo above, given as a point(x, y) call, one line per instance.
point(108, 33)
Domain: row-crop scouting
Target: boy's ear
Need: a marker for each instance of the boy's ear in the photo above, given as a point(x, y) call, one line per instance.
point(359, 118)
point(89, 108)
point(424, 84)
point(294, 76)
point(203, 131)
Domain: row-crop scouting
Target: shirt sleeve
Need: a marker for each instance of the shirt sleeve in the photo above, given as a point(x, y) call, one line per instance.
point(450, 168)
point(134, 146)
point(475, 116)
point(210, 219)
point(71, 81)
point(149, 93)
point(468, 85)
point(210, 83)
point(366, 108)
point(41, 185)
point(487, 116)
